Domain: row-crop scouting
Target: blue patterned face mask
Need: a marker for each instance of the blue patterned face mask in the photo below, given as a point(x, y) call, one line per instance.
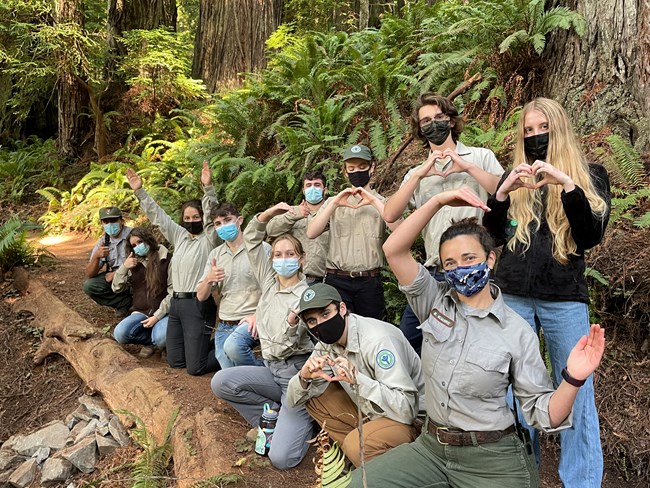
point(286, 267)
point(468, 280)
point(228, 232)
point(112, 229)
point(314, 195)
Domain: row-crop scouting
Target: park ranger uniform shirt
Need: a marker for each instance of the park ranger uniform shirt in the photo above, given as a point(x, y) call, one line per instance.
point(356, 236)
point(389, 375)
point(116, 249)
point(239, 292)
point(278, 339)
point(190, 252)
point(432, 185)
point(470, 357)
point(295, 224)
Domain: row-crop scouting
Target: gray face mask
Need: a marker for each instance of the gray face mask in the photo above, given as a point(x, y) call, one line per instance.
point(436, 132)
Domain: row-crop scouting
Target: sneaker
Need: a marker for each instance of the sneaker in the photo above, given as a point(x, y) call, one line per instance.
point(251, 435)
point(146, 352)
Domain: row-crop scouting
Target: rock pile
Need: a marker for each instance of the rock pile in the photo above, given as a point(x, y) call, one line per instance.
point(59, 450)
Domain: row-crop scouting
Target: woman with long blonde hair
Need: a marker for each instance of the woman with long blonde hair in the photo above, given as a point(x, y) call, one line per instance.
point(547, 212)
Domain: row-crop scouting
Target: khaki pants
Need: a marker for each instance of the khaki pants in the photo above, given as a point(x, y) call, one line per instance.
point(339, 413)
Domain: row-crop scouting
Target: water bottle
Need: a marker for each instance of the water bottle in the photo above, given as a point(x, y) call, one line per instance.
point(265, 430)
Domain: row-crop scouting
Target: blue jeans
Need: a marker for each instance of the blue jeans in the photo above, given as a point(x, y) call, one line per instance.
point(131, 331)
point(563, 323)
point(234, 346)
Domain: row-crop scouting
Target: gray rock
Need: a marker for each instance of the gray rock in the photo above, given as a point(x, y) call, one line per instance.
point(9, 459)
point(41, 455)
point(71, 421)
point(9, 444)
point(4, 477)
point(82, 413)
point(82, 455)
point(87, 431)
point(96, 406)
point(24, 474)
point(81, 424)
point(52, 436)
point(106, 445)
point(102, 429)
point(56, 469)
point(118, 431)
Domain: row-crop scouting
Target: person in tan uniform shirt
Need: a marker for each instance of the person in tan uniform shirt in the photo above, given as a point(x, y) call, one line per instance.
point(295, 221)
point(357, 231)
point(228, 275)
point(358, 363)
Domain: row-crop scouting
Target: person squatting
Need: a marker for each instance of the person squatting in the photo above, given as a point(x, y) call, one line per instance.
point(454, 396)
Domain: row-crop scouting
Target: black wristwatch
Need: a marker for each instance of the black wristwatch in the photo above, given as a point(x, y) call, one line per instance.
point(571, 380)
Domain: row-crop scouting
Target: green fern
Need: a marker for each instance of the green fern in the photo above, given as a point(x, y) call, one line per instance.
point(625, 161)
point(151, 467)
point(14, 248)
point(643, 222)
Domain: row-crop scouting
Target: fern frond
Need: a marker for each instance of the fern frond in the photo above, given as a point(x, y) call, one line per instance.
point(626, 161)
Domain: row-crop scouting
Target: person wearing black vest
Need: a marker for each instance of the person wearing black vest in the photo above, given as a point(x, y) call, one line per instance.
point(146, 270)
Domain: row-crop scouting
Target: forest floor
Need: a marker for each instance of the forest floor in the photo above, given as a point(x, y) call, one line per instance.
point(31, 396)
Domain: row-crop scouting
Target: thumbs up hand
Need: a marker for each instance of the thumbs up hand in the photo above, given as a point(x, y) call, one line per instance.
point(131, 261)
point(216, 274)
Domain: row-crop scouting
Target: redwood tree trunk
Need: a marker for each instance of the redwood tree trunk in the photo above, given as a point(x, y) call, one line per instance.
point(230, 39)
point(70, 93)
point(603, 78)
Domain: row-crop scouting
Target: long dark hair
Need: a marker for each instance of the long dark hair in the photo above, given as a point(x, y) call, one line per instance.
point(155, 283)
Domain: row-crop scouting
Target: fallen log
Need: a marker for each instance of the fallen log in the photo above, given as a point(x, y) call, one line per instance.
point(106, 368)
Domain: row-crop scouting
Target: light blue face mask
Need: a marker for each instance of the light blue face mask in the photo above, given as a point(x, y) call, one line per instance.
point(141, 249)
point(314, 195)
point(228, 232)
point(286, 267)
point(112, 229)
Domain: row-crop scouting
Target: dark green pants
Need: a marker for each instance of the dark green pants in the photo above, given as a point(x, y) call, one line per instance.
point(426, 463)
point(101, 292)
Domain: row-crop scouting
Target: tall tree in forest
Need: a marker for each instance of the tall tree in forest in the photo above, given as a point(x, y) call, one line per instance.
point(231, 38)
point(70, 92)
point(603, 77)
point(364, 14)
point(125, 15)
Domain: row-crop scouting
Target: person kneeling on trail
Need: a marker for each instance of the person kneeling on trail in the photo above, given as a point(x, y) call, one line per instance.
point(358, 362)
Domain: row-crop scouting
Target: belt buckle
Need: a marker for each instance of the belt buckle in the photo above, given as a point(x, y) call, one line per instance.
point(444, 429)
point(358, 274)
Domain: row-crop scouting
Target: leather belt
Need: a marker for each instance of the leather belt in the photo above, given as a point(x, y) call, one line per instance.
point(353, 274)
point(464, 438)
point(314, 278)
point(184, 294)
point(229, 322)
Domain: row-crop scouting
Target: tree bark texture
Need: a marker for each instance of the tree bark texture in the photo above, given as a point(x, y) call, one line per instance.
point(230, 39)
point(70, 93)
point(104, 366)
point(603, 78)
point(364, 14)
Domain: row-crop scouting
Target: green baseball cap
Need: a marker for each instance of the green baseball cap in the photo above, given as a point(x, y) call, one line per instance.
point(358, 151)
point(109, 213)
point(318, 295)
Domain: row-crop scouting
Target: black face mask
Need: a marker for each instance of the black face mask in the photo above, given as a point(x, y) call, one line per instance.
point(359, 178)
point(536, 147)
point(330, 331)
point(194, 228)
point(436, 132)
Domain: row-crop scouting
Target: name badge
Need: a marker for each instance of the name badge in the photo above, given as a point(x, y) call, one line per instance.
point(442, 318)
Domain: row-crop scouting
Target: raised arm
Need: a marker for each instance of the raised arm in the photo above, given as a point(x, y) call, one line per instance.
point(319, 223)
point(158, 217)
point(208, 200)
point(487, 180)
point(397, 247)
point(396, 205)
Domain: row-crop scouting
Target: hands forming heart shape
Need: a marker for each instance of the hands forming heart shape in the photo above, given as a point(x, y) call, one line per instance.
point(438, 164)
point(366, 198)
point(527, 176)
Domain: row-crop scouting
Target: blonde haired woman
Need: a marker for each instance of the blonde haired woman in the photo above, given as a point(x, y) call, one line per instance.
point(548, 211)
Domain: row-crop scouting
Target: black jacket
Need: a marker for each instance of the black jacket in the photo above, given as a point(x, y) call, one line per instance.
point(536, 273)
